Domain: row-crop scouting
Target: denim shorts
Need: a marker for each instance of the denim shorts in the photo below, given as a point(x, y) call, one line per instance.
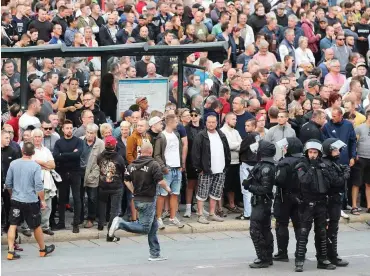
point(173, 180)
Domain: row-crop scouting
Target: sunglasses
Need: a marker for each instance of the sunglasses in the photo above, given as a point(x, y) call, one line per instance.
point(194, 115)
point(340, 38)
point(47, 128)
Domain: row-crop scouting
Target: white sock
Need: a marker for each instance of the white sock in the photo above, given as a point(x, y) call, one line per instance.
point(188, 207)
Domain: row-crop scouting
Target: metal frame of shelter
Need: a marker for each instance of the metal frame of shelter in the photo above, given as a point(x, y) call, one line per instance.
point(105, 52)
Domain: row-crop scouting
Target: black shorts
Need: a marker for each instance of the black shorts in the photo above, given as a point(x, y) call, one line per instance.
point(360, 172)
point(191, 173)
point(30, 212)
point(232, 179)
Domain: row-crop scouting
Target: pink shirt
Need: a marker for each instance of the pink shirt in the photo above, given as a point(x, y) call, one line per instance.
point(337, 80)
point(265, 61)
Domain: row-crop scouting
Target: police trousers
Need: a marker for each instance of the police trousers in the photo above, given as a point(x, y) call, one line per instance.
point(260, 229)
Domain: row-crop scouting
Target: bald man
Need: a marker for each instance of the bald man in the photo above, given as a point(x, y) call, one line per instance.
point(141, 178)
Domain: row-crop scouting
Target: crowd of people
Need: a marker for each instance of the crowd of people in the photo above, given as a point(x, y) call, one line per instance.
point(292, 69)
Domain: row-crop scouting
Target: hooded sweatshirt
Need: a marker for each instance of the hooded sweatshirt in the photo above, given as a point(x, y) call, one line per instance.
point(112, 169)
point(144, 173)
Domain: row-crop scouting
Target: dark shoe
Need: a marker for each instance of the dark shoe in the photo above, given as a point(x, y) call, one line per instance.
point(221, 213)
point(17, 247)
point(240, 205)
point(260, 264)
point(100, 227)
point(281, 257)
point(48, 232)
point(339, 262)
point(325, 265)
point(48, 250)
point(76, 229)
point(13, 256)
point(242, 217)
point(27, 232)
point(113, 239)
point(299, 266)
point(234, 210)
point(52, 224)
point(59, 226)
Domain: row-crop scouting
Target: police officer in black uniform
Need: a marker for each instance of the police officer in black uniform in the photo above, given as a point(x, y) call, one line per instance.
point(287, 194)
point(339, 175)
point(260, 184)
point(314, 186)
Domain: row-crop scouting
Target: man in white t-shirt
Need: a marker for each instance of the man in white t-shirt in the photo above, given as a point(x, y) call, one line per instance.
point(211, 157)
point(29, 119)
point(167, 152)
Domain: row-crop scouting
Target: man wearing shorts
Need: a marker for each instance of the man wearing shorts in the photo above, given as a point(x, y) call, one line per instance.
point(361, 169)
point(167, 152)
point(25, 186)
point(211, 157)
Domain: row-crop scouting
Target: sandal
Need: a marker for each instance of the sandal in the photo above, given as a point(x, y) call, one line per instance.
point(354, 211)
point(234, 210)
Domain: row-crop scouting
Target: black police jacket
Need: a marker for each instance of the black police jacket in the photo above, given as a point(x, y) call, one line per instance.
point(263, 175)
point(314, 180)
point(286, 175)
point(337, 176)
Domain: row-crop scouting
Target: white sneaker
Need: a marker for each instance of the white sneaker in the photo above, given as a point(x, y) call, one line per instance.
point(187, 213)
point(215, 218)
point(157, 258)
point(160, 224)
point(175, 222)
point(344, 215)
point(165, 214)
point(114, 226)
point(202, 219)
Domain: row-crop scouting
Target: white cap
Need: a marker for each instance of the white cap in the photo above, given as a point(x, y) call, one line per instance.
point(154, 120)
point(217, 65)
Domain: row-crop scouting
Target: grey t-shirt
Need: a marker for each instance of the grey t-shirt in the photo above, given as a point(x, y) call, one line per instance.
point(363, 140)
point(24, 178)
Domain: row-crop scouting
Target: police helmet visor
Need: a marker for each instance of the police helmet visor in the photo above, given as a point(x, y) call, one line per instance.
point(338, 145)
point(313, 145)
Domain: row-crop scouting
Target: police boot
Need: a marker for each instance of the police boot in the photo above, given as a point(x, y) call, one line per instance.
point(281, 256)
point(333, 253)
point(299, 266)
point(325, 264)
point(258, 263)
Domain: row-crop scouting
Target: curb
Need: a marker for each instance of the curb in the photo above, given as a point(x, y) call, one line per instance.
point(190, 228)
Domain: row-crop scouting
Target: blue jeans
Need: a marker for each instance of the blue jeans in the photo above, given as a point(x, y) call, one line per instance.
point(173, 179)
point(147, 225)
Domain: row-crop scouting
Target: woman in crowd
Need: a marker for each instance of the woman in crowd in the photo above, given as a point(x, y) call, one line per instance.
point(178, 30)
point(307, 107)
point(71, 101)
point(190, 36)
point(108, 98)
point(192, 130)
point(303, 54)
point(193, 86)
point(296, 119)
point(237, 45)
point(260, 125)
point(335, 100)
point(105, 130)
point(184, 116)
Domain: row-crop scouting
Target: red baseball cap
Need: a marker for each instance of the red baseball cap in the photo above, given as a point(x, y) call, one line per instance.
point(110, 142)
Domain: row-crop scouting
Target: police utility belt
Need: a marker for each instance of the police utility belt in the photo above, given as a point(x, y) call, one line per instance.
point(258, 199)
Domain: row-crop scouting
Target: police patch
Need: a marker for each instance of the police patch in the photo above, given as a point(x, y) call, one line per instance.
point(16, 213)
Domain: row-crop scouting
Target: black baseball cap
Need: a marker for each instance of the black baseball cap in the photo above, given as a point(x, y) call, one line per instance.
point(195, 110)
